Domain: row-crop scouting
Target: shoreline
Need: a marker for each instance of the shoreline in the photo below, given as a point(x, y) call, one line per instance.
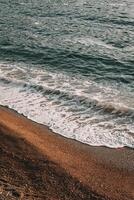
point(107, 173)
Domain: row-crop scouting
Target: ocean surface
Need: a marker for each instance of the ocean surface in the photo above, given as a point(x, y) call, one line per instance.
point(69, 64)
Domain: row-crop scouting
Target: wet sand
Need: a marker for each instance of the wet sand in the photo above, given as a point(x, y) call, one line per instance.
point(39, 164)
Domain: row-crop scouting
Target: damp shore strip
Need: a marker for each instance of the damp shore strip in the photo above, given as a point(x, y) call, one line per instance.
point(39, 164)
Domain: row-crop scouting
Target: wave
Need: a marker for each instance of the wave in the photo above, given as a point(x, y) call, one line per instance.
point(113, 21)
point(80, 100)
point(74, 106)
point(87, 41)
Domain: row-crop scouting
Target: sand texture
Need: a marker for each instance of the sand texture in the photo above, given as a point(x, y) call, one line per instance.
point(36, 163)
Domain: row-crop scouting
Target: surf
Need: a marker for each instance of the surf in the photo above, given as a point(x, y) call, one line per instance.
point(75, 107)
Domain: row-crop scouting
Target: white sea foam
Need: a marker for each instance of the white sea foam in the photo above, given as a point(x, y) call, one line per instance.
point(88, 41)
point(75, 107)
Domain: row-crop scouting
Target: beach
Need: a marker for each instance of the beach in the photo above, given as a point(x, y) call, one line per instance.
point(67, 100)
point(39, 164)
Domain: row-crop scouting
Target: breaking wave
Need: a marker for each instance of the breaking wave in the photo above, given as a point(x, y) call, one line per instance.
point(75, 107)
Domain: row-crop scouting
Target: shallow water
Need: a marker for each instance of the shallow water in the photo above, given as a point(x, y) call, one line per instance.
point(70, 65)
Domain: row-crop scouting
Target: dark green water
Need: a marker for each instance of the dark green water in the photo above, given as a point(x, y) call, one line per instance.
point(70, 65)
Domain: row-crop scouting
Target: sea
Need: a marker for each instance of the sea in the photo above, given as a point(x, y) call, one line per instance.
point(69, 64)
